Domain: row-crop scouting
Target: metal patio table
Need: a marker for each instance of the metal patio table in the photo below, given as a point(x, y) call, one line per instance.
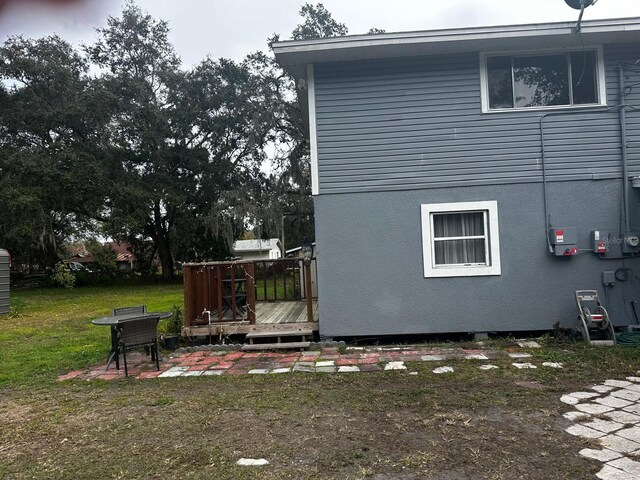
point(114, 320)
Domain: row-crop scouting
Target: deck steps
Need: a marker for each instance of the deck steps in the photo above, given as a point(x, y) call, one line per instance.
point(273, 340)
point(284, 333)
point(274, 346)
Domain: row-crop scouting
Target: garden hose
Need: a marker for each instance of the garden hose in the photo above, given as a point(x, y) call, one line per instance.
point(628, 339)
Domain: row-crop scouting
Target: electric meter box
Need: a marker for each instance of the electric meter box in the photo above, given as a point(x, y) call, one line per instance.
point(600, 242)
point(631, 243)
point(564, 241)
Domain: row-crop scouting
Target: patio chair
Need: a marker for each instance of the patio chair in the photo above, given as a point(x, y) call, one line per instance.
point(128, 310)
point(141, 332)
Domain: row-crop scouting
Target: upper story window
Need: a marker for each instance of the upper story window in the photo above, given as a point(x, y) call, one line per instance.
point(547, 80)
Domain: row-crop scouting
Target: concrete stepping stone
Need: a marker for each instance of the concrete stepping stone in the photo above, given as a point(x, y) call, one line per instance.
point(192, 373)
point(602, 388)
point(520, 355)
point(627, 465)
point(575, 416)
point(583, 395)
point(593, 408)
point(173, 372)
point(487, 367)
point(610, 473)
point(604, 455)
point(281, 370)
point(604, 426)
point(258, 371)
point(326, 363)
point(528, 344)
point(569, 400)
point(584, 432)
point(617, 383)
point(476, 356)
point(614, 402)
point(432, 358)
point(631, 433)
point(619, 444)
point(623, 417)
point(521, 366)
point(442, 370)
point(395, 366)
point(252, 462)
point(348, 368)
point(212, 372)
point(625, 394)
point(552, 364)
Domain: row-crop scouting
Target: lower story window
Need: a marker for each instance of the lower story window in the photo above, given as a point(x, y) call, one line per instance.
point(460, 239)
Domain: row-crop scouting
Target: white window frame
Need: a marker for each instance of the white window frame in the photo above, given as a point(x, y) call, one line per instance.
point(600, 75)
point(492, 243)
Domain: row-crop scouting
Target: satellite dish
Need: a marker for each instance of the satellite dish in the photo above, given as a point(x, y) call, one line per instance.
point(579, 4)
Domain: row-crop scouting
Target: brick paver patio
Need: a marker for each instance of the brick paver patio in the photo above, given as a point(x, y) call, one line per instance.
point(325, 360)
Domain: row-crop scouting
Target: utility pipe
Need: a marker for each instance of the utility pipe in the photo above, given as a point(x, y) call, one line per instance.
point(625, 159)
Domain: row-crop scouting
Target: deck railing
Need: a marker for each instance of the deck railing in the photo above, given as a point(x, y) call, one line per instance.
point(217, 292)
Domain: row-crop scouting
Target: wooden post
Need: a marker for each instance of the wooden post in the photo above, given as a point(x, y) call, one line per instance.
point(188, 297)
point(284, 276)
point(307, 291)
point(275, 282)
point(219, 278)
point(250, 285)
point(233, 293)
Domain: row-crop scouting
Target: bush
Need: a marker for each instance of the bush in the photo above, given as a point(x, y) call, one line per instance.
point(62, 277)
point(175, 322)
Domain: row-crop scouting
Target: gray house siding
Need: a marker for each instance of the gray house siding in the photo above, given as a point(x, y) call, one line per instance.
point(395, 134)
point(371, 278)
point(4, 281)
point(413, 123)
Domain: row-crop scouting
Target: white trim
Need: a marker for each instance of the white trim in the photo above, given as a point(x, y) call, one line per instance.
point(601, 78)
point(455, 40)
point(492, 244)
point(313, 134)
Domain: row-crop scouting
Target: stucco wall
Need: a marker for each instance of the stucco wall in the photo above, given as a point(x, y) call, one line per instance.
point(371, 279)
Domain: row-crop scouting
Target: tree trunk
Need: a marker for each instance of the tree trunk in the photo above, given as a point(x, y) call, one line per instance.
point(166, 258)
point(161, 239)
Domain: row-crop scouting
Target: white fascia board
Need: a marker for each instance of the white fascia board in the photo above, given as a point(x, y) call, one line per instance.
point(313, 138)
point(351, 47)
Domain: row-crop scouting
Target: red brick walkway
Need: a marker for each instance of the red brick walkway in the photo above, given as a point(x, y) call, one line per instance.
point(328, 360)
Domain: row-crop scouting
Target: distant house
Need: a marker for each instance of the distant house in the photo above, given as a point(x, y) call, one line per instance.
point(270, 249)
point(125, 260)
point(471, 179)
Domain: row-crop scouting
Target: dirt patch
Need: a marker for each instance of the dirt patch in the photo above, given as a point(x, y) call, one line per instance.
point(377, 425)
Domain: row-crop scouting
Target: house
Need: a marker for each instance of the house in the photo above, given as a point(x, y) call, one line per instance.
point(125, 260)
point(471, 179)
point(270, 249)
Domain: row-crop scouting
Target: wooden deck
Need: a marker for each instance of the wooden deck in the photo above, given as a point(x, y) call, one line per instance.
point(270, 316)
point(284, 312)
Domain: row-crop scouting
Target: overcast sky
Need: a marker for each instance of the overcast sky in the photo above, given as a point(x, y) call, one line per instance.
point(233, 28)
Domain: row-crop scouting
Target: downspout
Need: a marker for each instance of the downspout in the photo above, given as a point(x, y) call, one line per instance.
point(623, 142)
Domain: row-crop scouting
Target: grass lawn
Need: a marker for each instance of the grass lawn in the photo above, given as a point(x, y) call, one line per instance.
point(469, 425)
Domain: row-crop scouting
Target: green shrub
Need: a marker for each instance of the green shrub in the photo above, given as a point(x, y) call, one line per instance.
point(175, 322)
point(63, 277)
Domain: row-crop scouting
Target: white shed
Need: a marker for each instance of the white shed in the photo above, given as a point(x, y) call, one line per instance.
point(270, 249)
point(5, 263)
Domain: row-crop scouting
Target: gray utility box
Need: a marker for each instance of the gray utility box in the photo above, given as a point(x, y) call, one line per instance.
point(564, 241)
point(5, 263)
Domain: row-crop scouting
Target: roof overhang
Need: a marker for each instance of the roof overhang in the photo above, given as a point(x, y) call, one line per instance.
point(294, 55)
